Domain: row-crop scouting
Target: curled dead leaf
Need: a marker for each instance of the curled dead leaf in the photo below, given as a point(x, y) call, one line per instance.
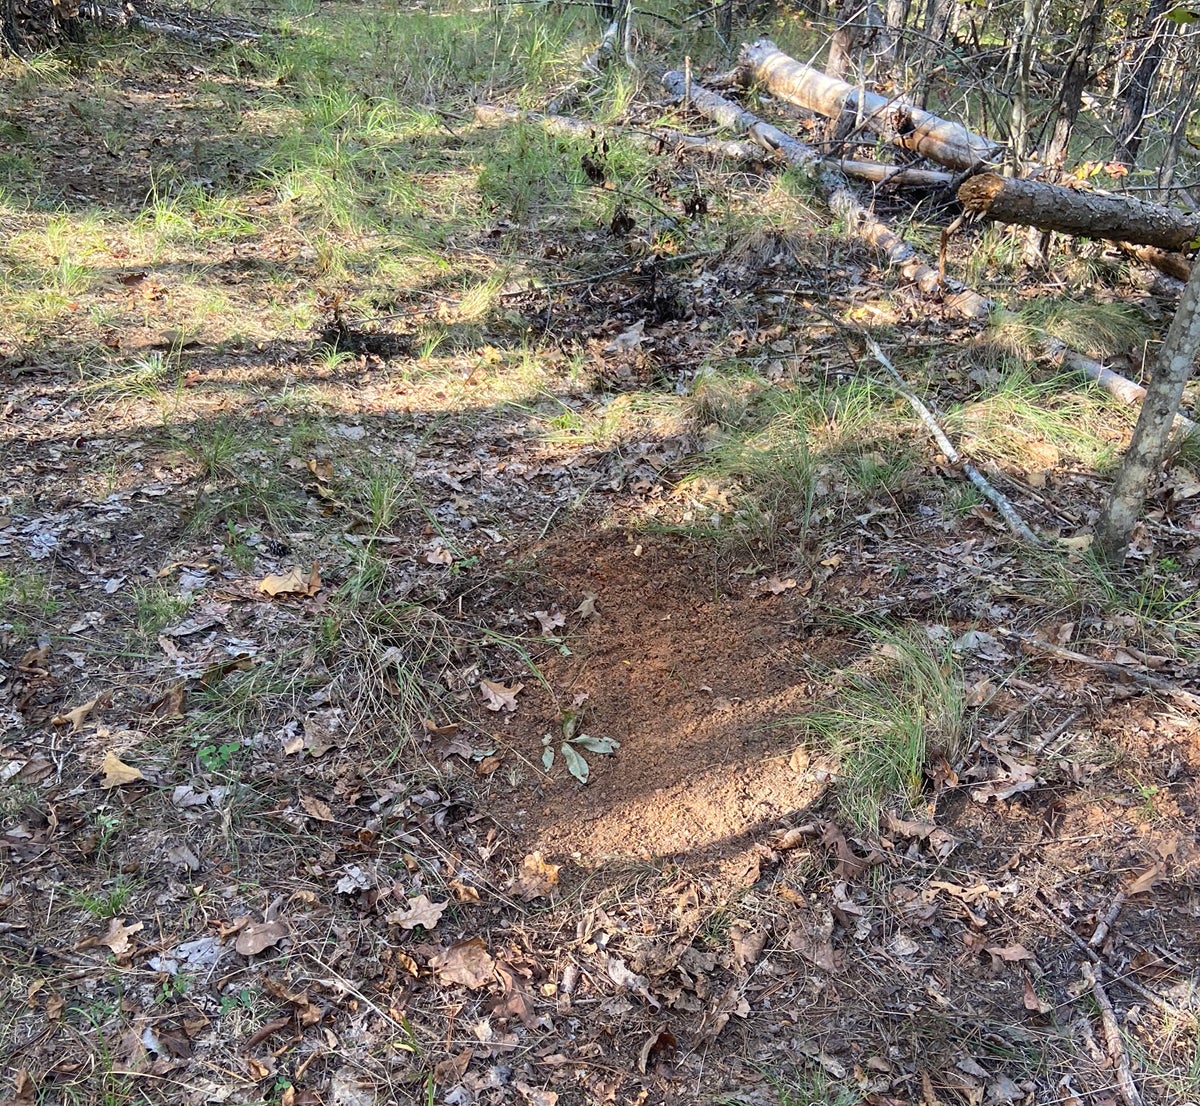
point(293, 582)
point(536, 878)
point(259, 936)
point(77, 716)
point(116, 773)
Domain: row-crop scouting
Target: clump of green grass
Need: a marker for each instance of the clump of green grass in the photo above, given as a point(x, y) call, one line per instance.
point(795, 454)
point(156, 608)
point(1037, 424)
point(901, 705)
point(1097, 329)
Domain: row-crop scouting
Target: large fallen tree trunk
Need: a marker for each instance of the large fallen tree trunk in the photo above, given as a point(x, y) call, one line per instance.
point(1087, 214)
point(834, 187)
point(894, 121)
point(667, 139)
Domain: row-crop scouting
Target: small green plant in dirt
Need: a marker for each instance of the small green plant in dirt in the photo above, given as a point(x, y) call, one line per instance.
point(107, 902)
point(573, 745)
point(216, 757)
point(901, 704)
point(174, 988)
point(156, 608)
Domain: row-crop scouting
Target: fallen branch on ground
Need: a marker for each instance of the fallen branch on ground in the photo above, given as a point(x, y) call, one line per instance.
point(1112, 382)
point(895, 121)
point(834, 187)
point(1118, 672)
point(1174, 265)
point(128, 17)
point(667, 139)
point(1071, 211)
point(996, 498)
point(1112, 1036)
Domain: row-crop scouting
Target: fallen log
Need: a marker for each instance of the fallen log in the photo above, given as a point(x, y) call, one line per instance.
point(896, 122)
point(834, 187)
point(1174, 265)
point(663, 139)
point(1071, 211)
point(1112, 382)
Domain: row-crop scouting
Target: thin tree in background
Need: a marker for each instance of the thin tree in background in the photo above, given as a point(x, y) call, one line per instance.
point(1075, 80)
point(1155, 30)
point(1152, 435)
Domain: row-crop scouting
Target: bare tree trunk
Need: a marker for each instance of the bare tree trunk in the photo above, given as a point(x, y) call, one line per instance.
point(1026, 47)
point(1183, 110)
point(895, 17)
point(1070, 95)
point(841, 46)
point(1137, 92)
point(1152, 435)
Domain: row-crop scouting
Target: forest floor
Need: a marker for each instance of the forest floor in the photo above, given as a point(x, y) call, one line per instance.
point(371, 479)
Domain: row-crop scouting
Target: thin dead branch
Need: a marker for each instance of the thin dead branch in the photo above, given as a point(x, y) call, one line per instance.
point(996, 498)
point(1112, 1036)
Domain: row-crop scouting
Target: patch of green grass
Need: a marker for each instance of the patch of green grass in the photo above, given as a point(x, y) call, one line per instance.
point(901, 704)
point(156, 608)
point(790, 455)
point(1096, 329)
point(25, 595)
point(107, 901)
point(1036, 425)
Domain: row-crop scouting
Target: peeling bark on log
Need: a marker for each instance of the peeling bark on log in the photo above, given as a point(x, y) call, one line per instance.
point(835, 188)
point(1070, 211)
point(898, 123)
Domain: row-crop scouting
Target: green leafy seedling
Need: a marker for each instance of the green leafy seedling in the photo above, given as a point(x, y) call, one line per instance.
point(570, 747)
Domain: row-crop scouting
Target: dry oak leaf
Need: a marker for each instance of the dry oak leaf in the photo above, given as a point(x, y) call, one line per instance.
point(536, 878)
point(258, 936)
point(117, 939)
point(77, 716)
point(498, 697)
point(534, 1096)
point(292, 582)
point(465, 962)
point(515, 1001)
point(117, 772)
point(449, 1071)
point(316, 808)
point(1146, 880)
point(421, 911)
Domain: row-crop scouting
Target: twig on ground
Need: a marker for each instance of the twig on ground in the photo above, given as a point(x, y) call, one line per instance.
point(1112, 1036)
point(1105, 921)
point(995, 497)
point(1109, 668)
